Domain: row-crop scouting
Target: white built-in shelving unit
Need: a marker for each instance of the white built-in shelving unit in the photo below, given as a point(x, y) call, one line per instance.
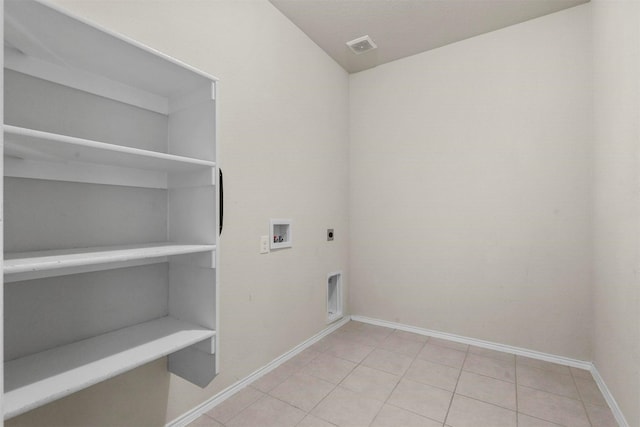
point(110, 215)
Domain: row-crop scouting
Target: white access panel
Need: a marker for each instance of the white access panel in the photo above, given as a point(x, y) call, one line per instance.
point(334, 297)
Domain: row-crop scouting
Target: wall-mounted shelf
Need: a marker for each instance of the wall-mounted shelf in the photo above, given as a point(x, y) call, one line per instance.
point(22, 262)
point(281, 233)
point(30, 144)
point(40, 378)
point(36, 154)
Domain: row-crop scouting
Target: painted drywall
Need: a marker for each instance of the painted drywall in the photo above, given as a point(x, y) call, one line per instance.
point(283, 133)
point(470, 187)
point(616, 307)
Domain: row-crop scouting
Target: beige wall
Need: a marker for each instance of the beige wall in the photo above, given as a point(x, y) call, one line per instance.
point(283, 108)
point(616, 200)
point(470, 187)
point(470, 191)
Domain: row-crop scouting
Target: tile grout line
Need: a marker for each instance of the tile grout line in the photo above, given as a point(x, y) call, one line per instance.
point(468, 351)
point(336, 385)
point(386, 402)
point(394, 387)
point(320, 353)
point(401, 376)
point(453, 394)
point(515, 369)
point(579, 398)
point(490, 404)
point(584, 406)
point(357, 364)
point(487, 376)
point(291, 404)
point(241, 410)
point(555, 394)
point(246, 407)
point(537, 368)
point(542, 419)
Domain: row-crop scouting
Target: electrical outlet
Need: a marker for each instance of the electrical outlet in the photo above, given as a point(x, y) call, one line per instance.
point(329, 234)
point(264, 244)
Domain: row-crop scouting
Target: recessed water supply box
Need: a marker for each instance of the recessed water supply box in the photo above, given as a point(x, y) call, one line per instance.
point(281, 234)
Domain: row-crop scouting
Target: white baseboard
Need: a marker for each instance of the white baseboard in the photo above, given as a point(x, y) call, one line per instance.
point(196, 412)
point(613, 405)
point(199, 410)
point(561, 360)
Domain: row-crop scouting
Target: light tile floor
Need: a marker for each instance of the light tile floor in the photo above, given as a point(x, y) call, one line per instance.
point(365, 375)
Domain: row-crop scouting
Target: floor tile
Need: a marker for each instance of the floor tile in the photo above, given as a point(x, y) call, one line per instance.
point(401, 345)
point(371, 382)
point(390, 416)
point(374, 336)
point(601, 416)
point(580, 373)
point(302, 391)
point(550, 381)
point(327, 381)
point(542, 364)
point(329, 368)
point(360, 337)
point(267, 412)
point(487, 389)
point(492, 353)
point(466, 412)
point(444, 355)
point(528, 421)
point(410, 336)
point(434, 374)
point(551, 407)
point(346, 408)
point(235, 404)
point(448, 343)
point(378, 330)
point(589, 391)
point(491, 367)
point(324, 344)
point(204, 421)
point(423, 399)
point(388, 361)
point(313, 421)
point(304, 357)
point(350, 350)
point(274, 378)
point(352, 326)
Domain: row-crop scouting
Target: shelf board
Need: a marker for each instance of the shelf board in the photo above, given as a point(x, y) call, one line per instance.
point(37, 379)
point(34, 28)
point(33, 144)
point(21, 262)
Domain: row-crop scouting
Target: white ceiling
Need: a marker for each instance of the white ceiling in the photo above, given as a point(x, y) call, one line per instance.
point(402, 28)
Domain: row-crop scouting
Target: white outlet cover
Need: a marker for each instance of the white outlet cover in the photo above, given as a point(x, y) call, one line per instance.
point(264, 244)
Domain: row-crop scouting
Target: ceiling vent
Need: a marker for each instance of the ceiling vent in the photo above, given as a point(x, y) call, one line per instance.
point(361, 45)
